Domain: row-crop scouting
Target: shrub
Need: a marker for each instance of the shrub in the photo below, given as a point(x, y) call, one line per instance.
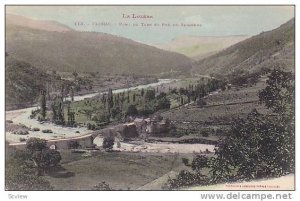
point(219, 132)
point(91, 126)
point(21, 132)
point(36, 144)
point(40, 118)
point(108, 142)
point(35, 129)
point(103, 186)
point(150, 95)
point(185, 161)
point(22, 139)
point(185, 178)
point(47, 131)
point(162, 103)
point(205, 133)
point(131, 111)
point(199, 162)
point(34, 113)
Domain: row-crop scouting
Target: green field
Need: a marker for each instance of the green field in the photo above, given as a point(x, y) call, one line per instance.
point(95, 110)
point(119, 170)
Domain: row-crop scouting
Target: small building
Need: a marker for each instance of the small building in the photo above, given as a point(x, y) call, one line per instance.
point(123, 131)
point(141, 125)
point(152, 126)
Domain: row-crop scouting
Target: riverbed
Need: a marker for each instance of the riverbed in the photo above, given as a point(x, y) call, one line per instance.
point(22, 116)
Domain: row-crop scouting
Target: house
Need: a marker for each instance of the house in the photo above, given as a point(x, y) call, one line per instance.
point(141, 125)
point(152, 126)
point(122, 131)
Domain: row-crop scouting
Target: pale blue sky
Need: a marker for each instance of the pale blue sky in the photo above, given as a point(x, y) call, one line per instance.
point(215, 20)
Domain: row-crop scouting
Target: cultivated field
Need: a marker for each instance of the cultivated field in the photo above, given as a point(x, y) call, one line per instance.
point(221, 108)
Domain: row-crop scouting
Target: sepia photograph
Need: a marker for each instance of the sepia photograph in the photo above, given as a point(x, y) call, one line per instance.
point(149, 97)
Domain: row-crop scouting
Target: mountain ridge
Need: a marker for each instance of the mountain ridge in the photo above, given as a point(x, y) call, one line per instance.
point(47, 25)
point(200, 46)
point(89, 52)
point(270, 49)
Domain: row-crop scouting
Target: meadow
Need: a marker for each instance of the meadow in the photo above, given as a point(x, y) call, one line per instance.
point(121, 170)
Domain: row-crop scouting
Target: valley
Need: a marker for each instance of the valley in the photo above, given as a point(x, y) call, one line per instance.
point(87, 110)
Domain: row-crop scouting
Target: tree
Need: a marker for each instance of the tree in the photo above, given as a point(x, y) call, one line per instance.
point(71, 116)
point(108, 142)
point(41, 156)
point(19, 177)
point(185, 161)
point(150, 95)
point(201, 91)
point(181, 100)
point(142, 92)
point(116, 113)
point(279, 95)
point(128, 97)
point(43, 104)
point(110, 98)
point(185, 178)
point(162, 103)
point(36, 144)
point(75, 74)
point(205, 133)
point(60, 114)
point(72, 94)
point(20, 174)
point(131, 111)
point(57, 111)
point(87, 112)
point(54, 116)
point(261, 145)
point(199, 162)
point(258, 146)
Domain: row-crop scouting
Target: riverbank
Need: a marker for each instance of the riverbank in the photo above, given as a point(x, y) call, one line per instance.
point(22, 116)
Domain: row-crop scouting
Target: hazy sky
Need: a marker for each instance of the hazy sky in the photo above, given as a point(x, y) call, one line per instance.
point(214, 20)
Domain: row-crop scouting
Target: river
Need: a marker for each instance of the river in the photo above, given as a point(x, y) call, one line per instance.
point(21, 116)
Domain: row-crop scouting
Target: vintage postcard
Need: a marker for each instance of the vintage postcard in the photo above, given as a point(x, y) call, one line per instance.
point(127, 97)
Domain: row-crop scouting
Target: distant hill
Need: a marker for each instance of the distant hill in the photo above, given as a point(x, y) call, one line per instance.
point(36, 24)
point(269, 49)
point(62, 49)
point(199, 47)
